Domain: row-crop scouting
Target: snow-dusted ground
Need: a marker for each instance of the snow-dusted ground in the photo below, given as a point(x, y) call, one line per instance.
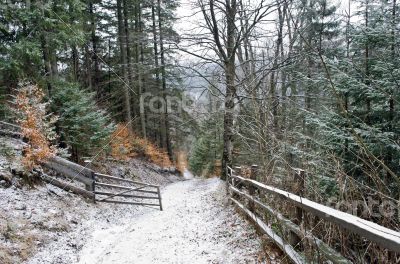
point(46, 225)
point(187, 175)
point(196, 226)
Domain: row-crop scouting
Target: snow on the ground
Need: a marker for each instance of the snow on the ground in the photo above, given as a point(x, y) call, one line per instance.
point(53, 225)
point(187, 175)
point(196, 226)
point(45, 225)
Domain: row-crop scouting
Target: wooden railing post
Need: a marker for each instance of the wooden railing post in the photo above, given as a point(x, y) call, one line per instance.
point(91, 186)
point(252, 189)
point(235, 183)
point(298, 215)
point(159, 198)
point(88, 165)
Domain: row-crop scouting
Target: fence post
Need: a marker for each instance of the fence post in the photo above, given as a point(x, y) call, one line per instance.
point(90, 187)
point(236, 183)
point(93, 186)
point(252, 189)
point(298, 215)
point(159, 198)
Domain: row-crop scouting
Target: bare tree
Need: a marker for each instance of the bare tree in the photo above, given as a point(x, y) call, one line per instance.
point(224, 38)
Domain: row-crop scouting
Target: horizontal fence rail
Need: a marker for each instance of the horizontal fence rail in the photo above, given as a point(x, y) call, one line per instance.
point(132, 192)
point(105, 176)
point(10, 130)
point(328, 252)
point(68, 187)
point(382, 236)
point(73, 172)
point(288, 249)
point(102, 187)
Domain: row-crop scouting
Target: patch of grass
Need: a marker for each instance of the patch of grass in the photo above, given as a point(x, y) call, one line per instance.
point(5, 255)
point(20, 241)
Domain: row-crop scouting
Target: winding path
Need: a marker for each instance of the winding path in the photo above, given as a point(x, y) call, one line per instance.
point(196, 226)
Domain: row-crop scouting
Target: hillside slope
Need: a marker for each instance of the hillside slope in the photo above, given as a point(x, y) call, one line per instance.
point(44, 224)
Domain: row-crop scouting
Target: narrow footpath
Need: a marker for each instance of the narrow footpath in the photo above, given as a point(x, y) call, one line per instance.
point(196, 226)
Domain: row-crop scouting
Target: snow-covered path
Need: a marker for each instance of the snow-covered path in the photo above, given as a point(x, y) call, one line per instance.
point(196, 226)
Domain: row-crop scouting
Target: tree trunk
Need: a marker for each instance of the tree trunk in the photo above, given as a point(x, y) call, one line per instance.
point(228, 117)
point(157, 72)
point(95, 81)
point(139, 63)
point(75, 63)
point(46, 60)
point(164, 118)
point(46, 55)
point(74, 53)
point(129, 56)
point(126, 85)
point(88, 66)
point(230, 74)
point(368, 101)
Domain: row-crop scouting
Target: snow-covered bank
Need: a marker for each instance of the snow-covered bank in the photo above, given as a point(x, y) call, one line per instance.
point(47, 225)
point(44, 224)
point(196, 226)
point(187, 175)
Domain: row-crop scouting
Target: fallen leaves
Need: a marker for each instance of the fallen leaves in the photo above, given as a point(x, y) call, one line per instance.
point(126, 144)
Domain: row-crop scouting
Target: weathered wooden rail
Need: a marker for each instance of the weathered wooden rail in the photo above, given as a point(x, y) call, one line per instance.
point(140, 193)
point(382, 236)
point(101, 187)
point(10, 130)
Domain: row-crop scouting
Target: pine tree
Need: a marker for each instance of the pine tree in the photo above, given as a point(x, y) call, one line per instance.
point(208, 146)
point(81, 125)
point(365, 122)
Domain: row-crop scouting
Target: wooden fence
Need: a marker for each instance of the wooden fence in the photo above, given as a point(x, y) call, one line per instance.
point(255, 191)
point(10, 130)
point(129, 192)
point(75, 173)
point(101, 187)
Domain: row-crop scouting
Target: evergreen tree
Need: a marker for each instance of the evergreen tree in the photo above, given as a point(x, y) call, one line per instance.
point(208, 146)
point(81, 125)
point(363, 129)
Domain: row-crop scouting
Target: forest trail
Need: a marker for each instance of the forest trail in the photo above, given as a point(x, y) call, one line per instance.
point(196, 226)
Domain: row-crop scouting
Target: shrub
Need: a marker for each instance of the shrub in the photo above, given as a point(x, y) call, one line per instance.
point(37, 126)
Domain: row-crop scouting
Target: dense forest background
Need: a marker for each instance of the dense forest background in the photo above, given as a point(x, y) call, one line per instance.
point(94, 60)
point(308, 84)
